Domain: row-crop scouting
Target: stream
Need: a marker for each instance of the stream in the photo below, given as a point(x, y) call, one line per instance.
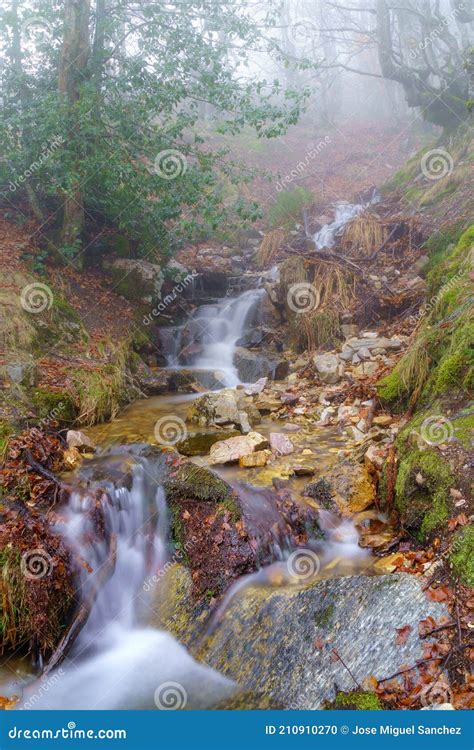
point(120, 659)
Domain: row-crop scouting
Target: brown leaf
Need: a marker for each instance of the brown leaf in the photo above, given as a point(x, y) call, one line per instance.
point(440, 594)
point(402, 635)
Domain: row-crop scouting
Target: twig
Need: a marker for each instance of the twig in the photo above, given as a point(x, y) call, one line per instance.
point(345, 666)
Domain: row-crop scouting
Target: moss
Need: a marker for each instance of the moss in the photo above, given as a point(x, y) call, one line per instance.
point(423, 507)
point(357, 700)
point(462, 555)
point(323, 617)
point(53, 405)
point(464, 429)
point(198, 483)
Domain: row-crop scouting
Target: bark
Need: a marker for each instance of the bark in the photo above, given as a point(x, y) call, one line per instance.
point(72, 68)
point(17, 64)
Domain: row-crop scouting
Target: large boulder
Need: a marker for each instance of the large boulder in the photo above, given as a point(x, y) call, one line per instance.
point(328, 368)
point(231, 450)
point(254, 365)
point(227, 407)
point(265, 638)
point(136, 280)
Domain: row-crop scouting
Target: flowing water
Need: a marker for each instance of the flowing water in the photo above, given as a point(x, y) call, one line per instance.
point(117, 660)
point(213, 330)
point(343, 213)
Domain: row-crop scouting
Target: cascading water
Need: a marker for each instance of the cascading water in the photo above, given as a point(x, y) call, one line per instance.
point(343, 213)
point(116, 663)
point(211, 334)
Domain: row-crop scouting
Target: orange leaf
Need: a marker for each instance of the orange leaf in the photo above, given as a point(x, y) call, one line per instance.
point(402, 635)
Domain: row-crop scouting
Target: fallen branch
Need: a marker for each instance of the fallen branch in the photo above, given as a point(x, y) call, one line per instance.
point(84, 610)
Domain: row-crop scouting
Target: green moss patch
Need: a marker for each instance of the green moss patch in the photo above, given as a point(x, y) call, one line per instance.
point(422, 490)
point(356, 700)
point(462, 555)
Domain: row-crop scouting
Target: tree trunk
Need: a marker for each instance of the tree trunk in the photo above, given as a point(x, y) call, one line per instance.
point(72, 66)
point(17, 64)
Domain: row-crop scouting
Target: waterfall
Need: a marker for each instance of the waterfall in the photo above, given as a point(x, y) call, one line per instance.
point(211, 334)
point(343, 213)
point(115, 662)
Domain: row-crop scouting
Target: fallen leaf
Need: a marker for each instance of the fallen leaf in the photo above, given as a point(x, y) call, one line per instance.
point(402, 635)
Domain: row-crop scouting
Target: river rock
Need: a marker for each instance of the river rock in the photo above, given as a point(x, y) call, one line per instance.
point(365, 369)
point(264, 637)
point(77, 439)
point(281, 444)
point(255, 460)
point(224, 408)
point(352, 487)
point(372, 343)
point(328, 368)
point(257, 387)
point(254, 365)
point(231, 450)
point(200, 443)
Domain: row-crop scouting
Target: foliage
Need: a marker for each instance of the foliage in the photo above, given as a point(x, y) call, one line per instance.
point(288, 207)
point(141, 137)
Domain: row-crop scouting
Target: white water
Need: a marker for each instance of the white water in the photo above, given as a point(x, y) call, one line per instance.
point(344, 212)
point(217, 328)
point(115, 662)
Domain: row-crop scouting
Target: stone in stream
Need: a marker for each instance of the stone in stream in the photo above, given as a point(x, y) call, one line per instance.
point(328, 368)
point(231, 450)
point(254, 365)
point(77, 439)
point(281, 444)
point(255, 460)
point(224, 408)
point(200, 443)
point(265, 638)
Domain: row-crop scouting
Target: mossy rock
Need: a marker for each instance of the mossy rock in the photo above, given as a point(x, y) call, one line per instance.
point(198, 483)
point(356, 700)
point(53, 405)
point(200, 443)
point(462, 555)
point(423, 507)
